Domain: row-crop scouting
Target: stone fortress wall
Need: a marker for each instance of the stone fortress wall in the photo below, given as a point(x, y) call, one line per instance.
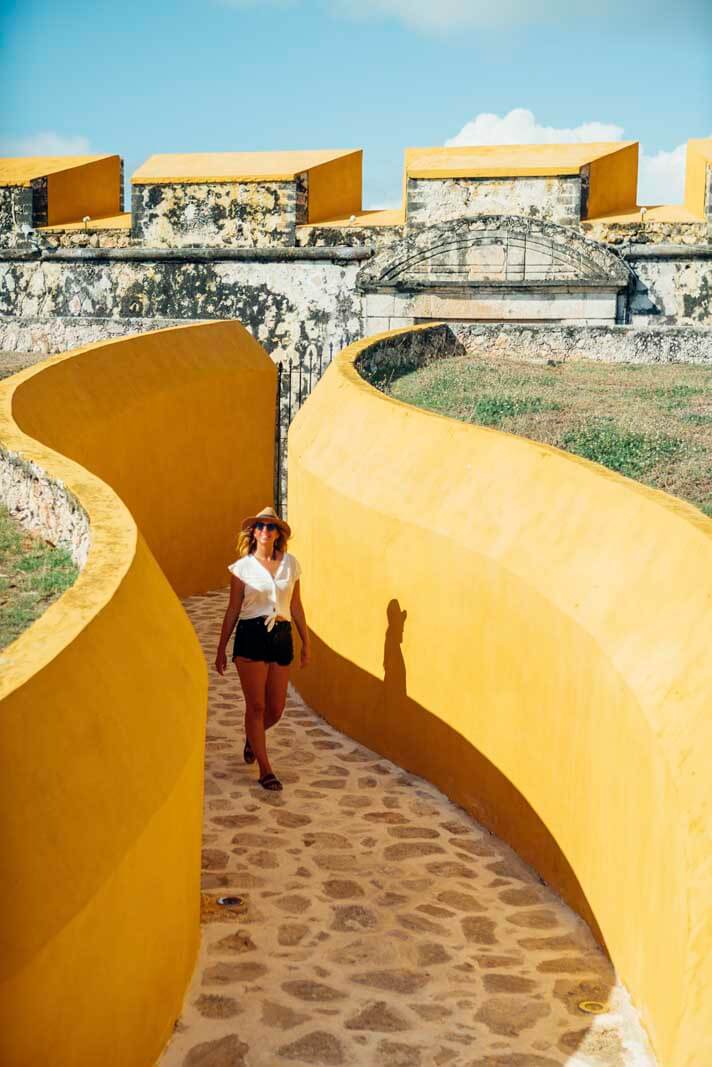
point(548, 234)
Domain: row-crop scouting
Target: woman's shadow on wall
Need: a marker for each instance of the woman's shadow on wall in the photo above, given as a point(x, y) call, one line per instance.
point(380, 713)
point(394, 678)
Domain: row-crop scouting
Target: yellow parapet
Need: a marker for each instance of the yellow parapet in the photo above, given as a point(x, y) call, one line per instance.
point(165, 440)
point(334, 175)
point(613, 181)
point(531, 633)
point(335, 188)
point(184, 168)
point(613, 167)
point(697, 166)
point(76, 185)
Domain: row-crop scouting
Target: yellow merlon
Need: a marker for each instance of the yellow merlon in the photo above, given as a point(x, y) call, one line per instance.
point(235, 166)
point(697, 165)
point(511, 161)
point(22, 170)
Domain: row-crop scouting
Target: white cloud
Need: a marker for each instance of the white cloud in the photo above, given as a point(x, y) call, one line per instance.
point(661, 175)
point(46, 143)
point(519, 126)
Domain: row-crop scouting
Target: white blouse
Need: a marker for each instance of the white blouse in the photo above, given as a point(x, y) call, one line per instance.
point(264, 594)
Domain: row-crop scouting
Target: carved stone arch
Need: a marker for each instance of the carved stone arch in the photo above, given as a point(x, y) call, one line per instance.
point(494, 250)
point(499, 267)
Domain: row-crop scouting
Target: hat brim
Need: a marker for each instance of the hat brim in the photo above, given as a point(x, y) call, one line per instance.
point(279, 523)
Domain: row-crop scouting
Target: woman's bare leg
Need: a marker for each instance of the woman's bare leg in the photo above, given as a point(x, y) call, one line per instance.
point(276, 692)
point(253, 678)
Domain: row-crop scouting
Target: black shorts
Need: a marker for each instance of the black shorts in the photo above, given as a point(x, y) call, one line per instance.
point(254, 641)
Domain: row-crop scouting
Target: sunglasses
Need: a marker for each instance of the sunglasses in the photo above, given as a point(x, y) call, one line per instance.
point(269, 526)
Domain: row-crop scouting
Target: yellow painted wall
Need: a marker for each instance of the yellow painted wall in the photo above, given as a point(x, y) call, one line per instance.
point(102, 700)
point(697, 162)
point(91, 189)
point(614, 182)
point(21, 170)
point(506, 160)
point(202, 393)
point(335, 188)
point(531, 633)
point(185, 168)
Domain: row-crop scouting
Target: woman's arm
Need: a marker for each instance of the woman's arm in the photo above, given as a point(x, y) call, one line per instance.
point(297, 611)
point(237, 591)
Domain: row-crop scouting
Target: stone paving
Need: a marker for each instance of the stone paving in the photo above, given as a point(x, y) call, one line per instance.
point(380, 926)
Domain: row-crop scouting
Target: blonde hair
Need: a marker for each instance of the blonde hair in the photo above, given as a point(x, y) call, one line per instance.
point(247, 543)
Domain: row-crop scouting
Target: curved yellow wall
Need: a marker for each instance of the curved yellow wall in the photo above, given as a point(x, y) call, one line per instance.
point(102, 700)
point(179, 422)
point(531, 633)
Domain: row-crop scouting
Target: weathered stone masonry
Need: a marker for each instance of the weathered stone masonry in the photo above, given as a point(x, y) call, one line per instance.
point(287, 304)
point(470, 248)
point(212, 215)
point(43, 505)
point(15, 213)
point(556, 200)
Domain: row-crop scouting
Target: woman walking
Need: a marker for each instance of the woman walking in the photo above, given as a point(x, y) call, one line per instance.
point(264, 598)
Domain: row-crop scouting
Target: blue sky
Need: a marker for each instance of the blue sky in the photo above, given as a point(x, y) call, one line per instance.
point(228, 75)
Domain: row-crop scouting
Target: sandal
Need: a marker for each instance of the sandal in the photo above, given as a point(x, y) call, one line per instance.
point(270, 781)
point(247, 753)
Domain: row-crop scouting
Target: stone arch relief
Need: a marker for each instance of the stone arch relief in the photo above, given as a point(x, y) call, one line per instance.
point(494, 267)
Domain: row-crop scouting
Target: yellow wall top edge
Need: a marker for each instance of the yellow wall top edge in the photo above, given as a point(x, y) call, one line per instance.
point(104, 222)
point(113, 531)
point(234, 166)
point(368, 218)
point(653, 213)
point(347, 359)
point(113, 536)
point(518, 160)
point(22, 170)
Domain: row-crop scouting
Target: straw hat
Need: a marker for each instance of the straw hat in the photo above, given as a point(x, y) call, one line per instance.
point(267, 515)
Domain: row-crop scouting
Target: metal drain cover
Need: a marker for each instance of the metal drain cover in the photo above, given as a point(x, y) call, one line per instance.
point(592, 1007)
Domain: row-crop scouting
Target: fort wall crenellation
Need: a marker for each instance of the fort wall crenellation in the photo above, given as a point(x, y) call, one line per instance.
point(279, 240)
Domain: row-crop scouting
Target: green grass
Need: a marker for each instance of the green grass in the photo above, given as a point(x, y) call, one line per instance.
point(632, 454)
point(493, 410)
point(32, 575)
point(672, 397)
point(650, 422)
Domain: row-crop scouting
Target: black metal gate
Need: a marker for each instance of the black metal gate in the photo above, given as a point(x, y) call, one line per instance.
point(297, 376)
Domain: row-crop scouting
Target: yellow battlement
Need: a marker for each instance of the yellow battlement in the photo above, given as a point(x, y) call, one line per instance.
point(612, 167)
point(698, 165)
point(76, 185)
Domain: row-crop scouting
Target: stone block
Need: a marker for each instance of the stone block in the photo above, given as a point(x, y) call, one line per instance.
point(376, 324)
point(379, 304)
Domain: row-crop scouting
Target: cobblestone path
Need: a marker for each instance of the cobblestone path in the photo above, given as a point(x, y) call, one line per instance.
point(380, 925)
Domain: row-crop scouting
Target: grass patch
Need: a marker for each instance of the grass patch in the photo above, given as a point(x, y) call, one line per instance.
point(672, 397)
point(651, 422)
point(493, 410)
point(12, 362)
point(632, 454)
point(32, 575)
